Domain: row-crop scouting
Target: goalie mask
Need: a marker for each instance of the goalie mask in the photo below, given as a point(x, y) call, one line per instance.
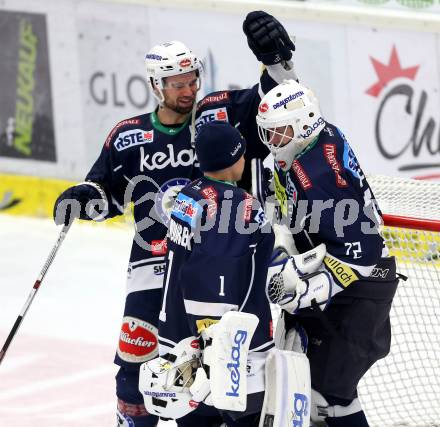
point(288, 120)
point(170, 59)
point(164, 381)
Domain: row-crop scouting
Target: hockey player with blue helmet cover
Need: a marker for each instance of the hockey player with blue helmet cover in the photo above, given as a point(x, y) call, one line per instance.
point(146, 160)
point(344, 298)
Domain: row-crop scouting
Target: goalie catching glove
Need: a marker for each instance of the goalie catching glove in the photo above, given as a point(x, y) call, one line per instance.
point(297, 282)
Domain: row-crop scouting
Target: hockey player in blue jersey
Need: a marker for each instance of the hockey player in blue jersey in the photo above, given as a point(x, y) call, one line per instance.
point(325, 202)
point(219, 248)
point(146, 160)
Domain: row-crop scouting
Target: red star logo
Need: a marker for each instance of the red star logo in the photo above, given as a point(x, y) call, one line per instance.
point(387, 73)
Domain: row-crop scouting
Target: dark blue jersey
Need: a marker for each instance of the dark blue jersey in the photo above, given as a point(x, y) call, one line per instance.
point(326, 199)
point(147, 163)
point(219, 247)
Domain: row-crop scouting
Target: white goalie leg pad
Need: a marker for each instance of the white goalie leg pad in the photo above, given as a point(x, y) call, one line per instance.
point(227, 359)
point(320, 409)
point(287, 396)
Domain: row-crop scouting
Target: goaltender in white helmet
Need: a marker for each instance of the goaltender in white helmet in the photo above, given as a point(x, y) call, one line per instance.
point(288, 120)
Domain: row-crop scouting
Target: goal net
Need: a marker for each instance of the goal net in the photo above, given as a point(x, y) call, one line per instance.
point(404, 388)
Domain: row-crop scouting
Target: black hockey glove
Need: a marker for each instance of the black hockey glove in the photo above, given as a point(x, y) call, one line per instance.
point(267, 38)
point(72, 203)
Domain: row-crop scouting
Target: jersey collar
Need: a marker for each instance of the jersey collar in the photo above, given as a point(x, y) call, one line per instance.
point(308, 148)
point(166, 129)
point(234, 184)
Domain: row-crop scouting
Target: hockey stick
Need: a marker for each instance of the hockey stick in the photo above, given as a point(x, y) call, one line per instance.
point(34, 290)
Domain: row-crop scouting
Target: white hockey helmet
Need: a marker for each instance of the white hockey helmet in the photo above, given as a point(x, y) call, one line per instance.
point(290, 111)
point(170, 59)
point(164, 382)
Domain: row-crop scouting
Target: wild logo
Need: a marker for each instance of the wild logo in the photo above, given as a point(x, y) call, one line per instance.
point(404, 130)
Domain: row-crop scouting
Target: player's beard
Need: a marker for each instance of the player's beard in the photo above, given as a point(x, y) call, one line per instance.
point(180, 109)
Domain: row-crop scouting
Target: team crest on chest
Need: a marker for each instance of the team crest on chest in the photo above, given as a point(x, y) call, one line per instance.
point(166, 196)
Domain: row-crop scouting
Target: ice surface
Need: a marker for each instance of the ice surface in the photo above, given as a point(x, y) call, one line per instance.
point(59, 369)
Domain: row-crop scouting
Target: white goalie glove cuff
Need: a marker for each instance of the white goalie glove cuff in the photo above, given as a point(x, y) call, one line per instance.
point(284, 245)
point(282, 71)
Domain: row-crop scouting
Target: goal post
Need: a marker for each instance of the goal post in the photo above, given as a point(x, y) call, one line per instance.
point(403, 389)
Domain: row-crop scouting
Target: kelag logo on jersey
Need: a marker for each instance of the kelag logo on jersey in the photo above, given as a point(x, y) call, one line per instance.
point(211, 115)
point(160, 160)
point(133, 137)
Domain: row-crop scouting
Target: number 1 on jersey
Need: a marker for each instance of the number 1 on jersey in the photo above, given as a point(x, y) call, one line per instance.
point(222, 286)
